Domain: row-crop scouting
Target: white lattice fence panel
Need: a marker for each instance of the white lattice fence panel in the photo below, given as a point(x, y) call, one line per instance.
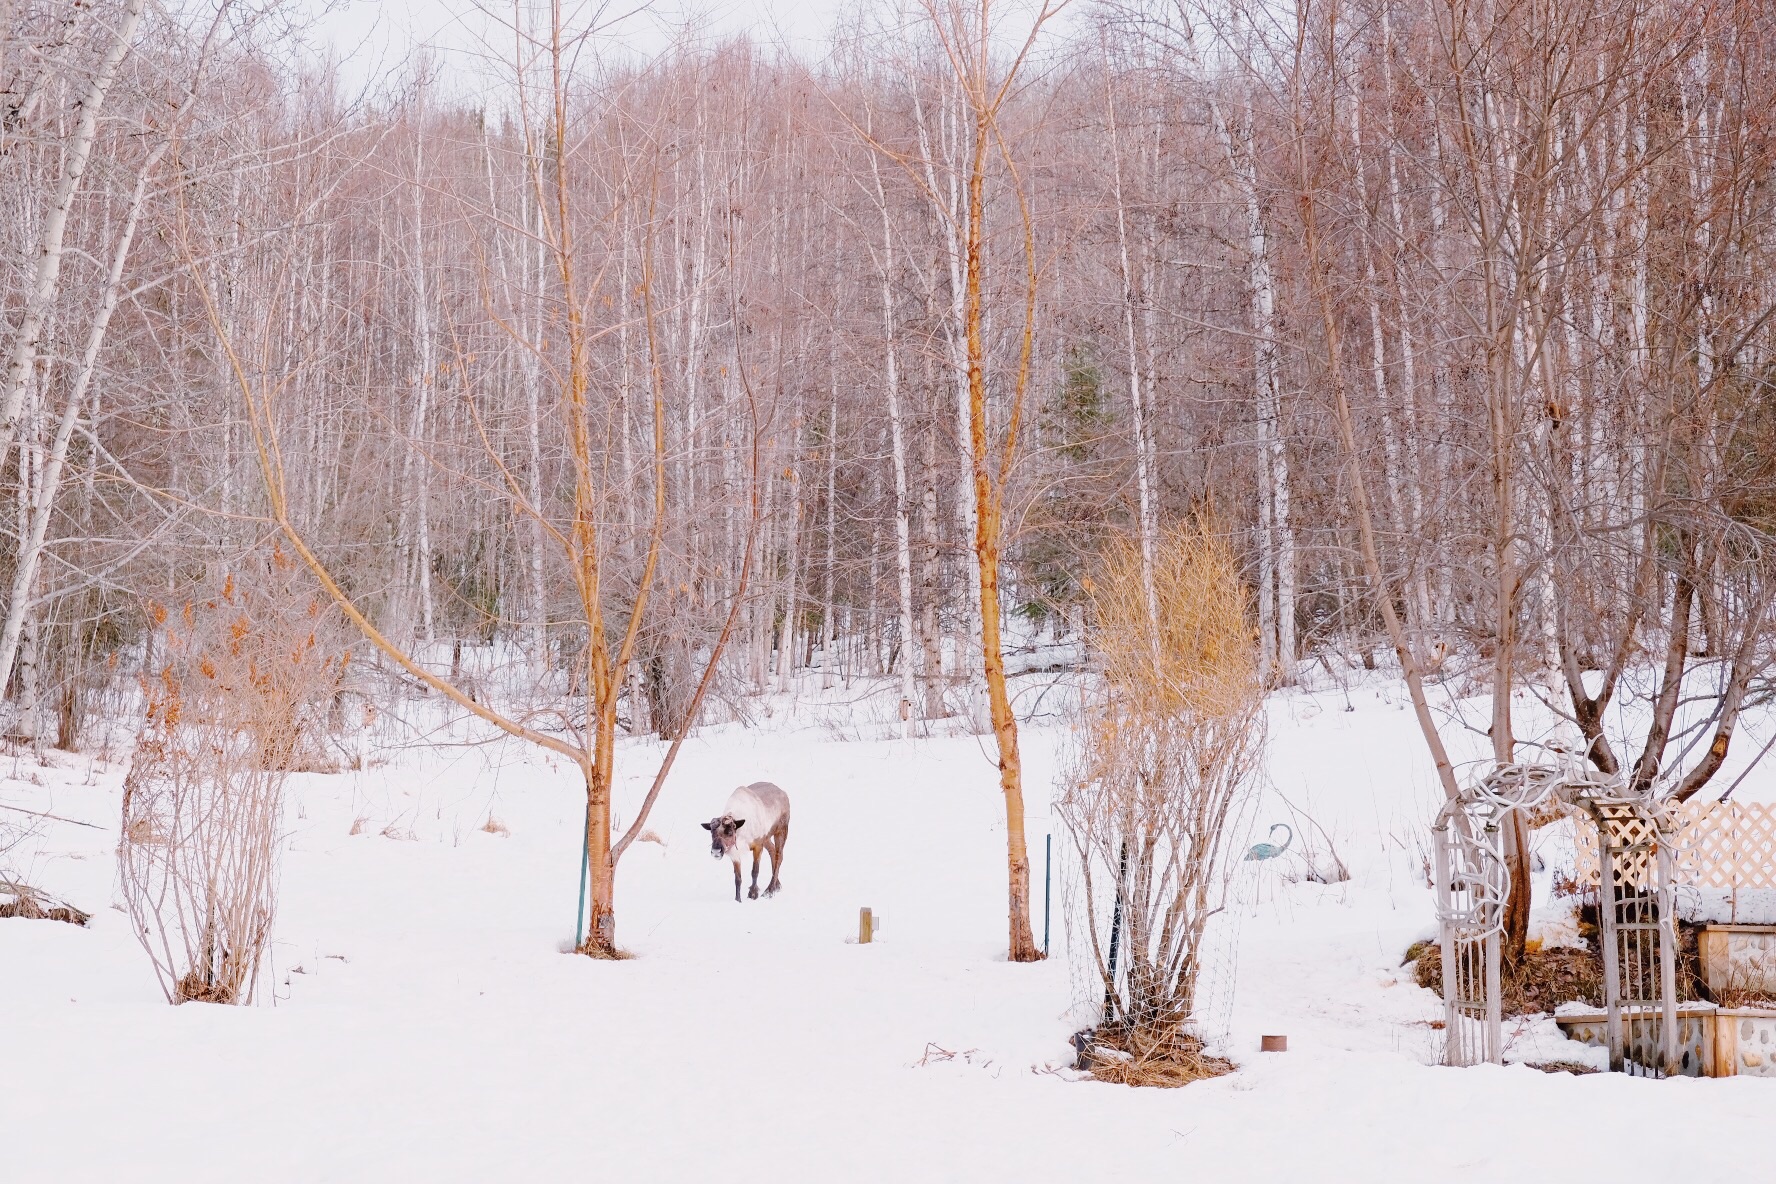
point(1728, 845)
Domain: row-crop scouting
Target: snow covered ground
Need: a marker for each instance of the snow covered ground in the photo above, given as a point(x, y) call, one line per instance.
point(427, 1026)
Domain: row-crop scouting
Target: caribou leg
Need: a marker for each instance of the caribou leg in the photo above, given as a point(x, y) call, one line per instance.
point(777, 839)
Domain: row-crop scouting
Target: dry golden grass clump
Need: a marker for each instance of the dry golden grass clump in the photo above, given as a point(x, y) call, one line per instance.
point(28, 904)
point(1539, 982)
point(592, 949)
point(1122, 1056)
point(1201, 662)
point(1547, 976)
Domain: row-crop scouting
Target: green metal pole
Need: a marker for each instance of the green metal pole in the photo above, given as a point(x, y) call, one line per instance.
point(585, 868)
point(1048, 860)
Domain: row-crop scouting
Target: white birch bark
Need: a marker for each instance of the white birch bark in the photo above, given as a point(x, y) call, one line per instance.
point(47, 478)
point(23, 725)
point(903, 549)
point(929, 630)
point(1412, 452)
point(417, 467)
point(28, 337)
point(1442, 386)
point(828, 623)
point(948, 200)
point(526, 321)
point(1149, 513)
point(1390, 435)
point(1276, 533)
point(34, 528)
point(18, 105)
point(786, 646)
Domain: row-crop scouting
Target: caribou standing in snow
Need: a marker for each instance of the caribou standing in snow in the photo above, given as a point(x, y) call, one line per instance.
point(756, 816)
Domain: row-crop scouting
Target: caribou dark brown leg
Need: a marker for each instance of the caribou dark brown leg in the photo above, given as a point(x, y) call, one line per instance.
point(736, 881)
point(757, 849)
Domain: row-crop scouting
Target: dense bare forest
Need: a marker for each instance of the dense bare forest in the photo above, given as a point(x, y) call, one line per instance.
point(606, 399)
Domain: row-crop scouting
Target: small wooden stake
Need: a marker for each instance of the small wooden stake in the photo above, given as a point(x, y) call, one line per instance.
point(866, 927)
point(1273, 1044)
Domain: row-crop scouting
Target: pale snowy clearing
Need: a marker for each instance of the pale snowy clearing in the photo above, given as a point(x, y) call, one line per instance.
point(426, 1024)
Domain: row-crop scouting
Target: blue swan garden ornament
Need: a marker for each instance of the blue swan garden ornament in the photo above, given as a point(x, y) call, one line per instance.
point(1272, 850)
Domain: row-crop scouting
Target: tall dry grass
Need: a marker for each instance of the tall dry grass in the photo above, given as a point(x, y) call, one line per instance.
point(1166, 753)
point(244, 686)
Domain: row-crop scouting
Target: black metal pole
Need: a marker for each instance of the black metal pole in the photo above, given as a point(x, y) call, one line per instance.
point(1122, 867)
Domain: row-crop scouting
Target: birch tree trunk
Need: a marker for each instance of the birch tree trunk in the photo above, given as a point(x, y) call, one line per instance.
point(28, 337)
point(972, 59)
point(427, 371)
point(903, 548)
point(1148, 509)
point(950, 201)
point(828, 617)
point(786, 646)
point(1276, 545)
point(47, 476)
point(932, 669)
point(34, 529)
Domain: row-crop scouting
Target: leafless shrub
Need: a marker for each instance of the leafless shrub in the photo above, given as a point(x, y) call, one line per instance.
point(1165, 758)
point(231, 712)
point(11, 836)
point(1320, 861)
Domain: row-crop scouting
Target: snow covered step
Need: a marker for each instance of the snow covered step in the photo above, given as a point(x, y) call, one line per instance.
point(1745, 1042)
point(1696, 1035)
point(1714, 1042)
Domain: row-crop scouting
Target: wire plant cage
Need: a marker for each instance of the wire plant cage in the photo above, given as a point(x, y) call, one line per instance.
point(1636, 912)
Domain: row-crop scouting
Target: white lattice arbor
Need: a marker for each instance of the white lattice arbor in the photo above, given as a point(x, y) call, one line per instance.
point(1726, 846)
point(1635, 856)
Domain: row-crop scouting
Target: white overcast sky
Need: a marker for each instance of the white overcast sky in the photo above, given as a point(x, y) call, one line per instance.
point(374, 37)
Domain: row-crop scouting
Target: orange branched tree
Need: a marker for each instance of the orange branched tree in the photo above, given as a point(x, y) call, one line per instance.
point(968, 35)
point(591, 539)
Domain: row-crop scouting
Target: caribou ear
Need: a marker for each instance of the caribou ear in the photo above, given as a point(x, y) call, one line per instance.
point(706, 825)
point(739, 822)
